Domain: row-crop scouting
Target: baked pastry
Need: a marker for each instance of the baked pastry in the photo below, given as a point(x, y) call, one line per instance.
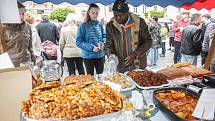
point(179, 65)
point(72, 101)
point(173, 73)
point(48, 85)
point(196, 71)
point(80, 79)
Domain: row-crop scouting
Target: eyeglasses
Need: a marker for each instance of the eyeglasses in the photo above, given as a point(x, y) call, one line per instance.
point(91, 12)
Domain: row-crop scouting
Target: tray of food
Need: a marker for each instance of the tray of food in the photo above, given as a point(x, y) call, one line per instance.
point(118, 78)
point(173, 73)
point(79, 98)
point(146, 79)
point(192, 70)
point(177, 103)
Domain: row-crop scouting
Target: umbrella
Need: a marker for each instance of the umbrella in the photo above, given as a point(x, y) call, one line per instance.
point(162, 3)
point(200, 4)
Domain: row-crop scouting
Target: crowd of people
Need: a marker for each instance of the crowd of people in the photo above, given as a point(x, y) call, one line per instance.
point(126, 36)
point(189, 36)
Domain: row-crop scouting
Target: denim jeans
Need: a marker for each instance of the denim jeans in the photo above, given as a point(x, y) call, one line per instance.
point(177, 53)
point(163, 46)
point(189, 58)
point(153, 56)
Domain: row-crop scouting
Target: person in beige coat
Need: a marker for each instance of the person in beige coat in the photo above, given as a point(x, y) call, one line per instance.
point(71, 52)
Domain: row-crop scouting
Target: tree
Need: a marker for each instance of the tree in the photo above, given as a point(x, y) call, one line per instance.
point(159, 14)
point(60, 14)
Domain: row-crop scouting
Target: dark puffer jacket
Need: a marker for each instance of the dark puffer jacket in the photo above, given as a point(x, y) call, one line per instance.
point(191, 41)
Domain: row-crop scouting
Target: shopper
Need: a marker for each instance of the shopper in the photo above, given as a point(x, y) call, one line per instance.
point(212, 65)
point(36, 42)
point(191, 41)
point(181, 22)
point(155, 30)
point(47, 30)
point(164, 35)
point(171, 37)
point(71, 52)
point(208, 27)
point(127, 37)
point(90, 39)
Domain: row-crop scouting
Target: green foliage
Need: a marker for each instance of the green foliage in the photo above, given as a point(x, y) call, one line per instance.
point(60, 14)
point(159, 14)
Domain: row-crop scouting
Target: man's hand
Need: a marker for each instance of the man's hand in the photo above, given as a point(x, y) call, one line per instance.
point(130, 60)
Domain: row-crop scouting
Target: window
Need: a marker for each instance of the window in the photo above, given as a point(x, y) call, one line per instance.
point(40, 11)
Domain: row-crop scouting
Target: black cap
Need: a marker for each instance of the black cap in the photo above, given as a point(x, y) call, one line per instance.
point(120, 6)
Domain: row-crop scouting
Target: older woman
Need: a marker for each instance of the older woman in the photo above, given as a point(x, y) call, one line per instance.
point(71, 52)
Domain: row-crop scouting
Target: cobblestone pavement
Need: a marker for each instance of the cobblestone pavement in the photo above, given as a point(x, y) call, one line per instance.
point(162, 62)
point(166, 61)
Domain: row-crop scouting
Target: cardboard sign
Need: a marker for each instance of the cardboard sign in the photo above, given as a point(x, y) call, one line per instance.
point(15, 85)
point(9, 11)
point(5, 61)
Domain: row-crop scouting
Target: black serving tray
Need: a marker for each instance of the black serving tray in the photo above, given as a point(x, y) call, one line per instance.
point(209, 80)
point(172, 116)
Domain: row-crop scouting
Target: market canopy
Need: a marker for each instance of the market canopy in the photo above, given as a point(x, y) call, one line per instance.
point(162, 3)
point(200, 4)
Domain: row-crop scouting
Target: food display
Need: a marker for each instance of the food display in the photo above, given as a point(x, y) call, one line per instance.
point(196, 72)
point(118, 78)
point(182, 80)
point(180, 65)
point(81, 79)
point(147, 78)
point(173, 73)
point(182, 70)
point(192, 70)
point(75, 99)
point(178, 102)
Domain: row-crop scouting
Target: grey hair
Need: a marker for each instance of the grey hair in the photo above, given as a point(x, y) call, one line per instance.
point(70, 19)
point(45, 17)
point(207, 16)
point(195, 17)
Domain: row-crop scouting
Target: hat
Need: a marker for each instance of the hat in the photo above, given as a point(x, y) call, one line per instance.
point(20, 5)
point(120, 6)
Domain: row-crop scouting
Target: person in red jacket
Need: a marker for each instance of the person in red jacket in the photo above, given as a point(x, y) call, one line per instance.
point(178, 26)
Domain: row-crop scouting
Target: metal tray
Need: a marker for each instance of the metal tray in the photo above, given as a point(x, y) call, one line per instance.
point(122, 90)
point(141, 87)
point(165, 110)
point(93, 118)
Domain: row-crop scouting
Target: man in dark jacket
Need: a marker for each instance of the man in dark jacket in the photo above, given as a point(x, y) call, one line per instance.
point(191, 41)
point(47, 30)
point(127, 37)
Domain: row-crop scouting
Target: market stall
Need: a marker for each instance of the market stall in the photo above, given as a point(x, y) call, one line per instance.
point(134, 95)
